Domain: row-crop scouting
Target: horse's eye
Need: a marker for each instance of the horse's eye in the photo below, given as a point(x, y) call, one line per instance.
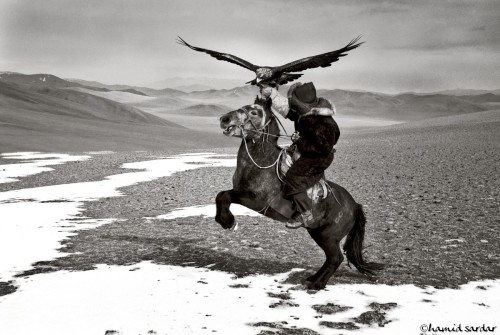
point(254, 113)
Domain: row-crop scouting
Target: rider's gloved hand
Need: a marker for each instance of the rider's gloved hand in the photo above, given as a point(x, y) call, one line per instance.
point(295, 136)
point(266, 91)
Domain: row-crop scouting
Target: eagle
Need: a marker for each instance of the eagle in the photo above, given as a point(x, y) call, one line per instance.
point(279, 75)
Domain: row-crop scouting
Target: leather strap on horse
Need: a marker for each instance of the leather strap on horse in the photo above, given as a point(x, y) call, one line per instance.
point(254, 162)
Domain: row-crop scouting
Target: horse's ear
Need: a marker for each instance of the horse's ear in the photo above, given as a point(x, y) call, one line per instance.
point(268, 104)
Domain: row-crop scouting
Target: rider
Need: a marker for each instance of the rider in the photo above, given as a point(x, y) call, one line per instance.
point(316, 132)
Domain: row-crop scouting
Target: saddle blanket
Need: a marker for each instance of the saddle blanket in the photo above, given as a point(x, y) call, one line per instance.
point(317, 191)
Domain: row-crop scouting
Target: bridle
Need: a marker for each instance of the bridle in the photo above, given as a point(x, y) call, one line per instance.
point(258, 130)
point(263, 130)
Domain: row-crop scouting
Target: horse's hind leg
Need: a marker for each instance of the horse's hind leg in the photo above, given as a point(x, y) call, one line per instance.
point(334, 258)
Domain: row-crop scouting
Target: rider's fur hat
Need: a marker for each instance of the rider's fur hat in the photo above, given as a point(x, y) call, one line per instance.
point(302, 98)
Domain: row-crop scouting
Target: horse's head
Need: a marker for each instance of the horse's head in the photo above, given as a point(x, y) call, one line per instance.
point(247, 121)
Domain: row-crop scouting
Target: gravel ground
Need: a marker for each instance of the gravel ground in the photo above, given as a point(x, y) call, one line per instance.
point(430, 192)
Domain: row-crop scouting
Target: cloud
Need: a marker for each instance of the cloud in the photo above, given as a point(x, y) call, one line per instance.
point(134, 41)
point(478, 28)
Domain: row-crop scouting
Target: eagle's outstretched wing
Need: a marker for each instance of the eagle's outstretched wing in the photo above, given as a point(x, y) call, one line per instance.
point(221, 56)
point(323, 60)
point(281, 80)
point(288, 77)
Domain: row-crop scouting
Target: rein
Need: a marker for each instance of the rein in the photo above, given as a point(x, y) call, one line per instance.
point(263, 167)
point(261, 132)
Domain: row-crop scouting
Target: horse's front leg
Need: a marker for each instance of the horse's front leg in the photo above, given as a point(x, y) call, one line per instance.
point(223, 200)
point(223, 214)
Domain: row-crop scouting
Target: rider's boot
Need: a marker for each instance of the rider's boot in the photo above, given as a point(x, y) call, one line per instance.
point(305, 218)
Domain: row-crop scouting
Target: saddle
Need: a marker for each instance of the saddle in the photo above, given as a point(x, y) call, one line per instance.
point(317, 192)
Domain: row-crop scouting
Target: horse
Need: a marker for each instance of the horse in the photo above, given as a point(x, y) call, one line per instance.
point(256, 184)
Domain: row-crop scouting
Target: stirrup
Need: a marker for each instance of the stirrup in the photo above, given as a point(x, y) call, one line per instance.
point(294, 225)
point(304, 220)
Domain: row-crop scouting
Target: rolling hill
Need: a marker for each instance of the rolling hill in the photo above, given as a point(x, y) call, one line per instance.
point(48, 80)
point(55, 119)
point(36, 80)
point(194, 83)
point(45, 112)
point(462, 92)
point(127, 88)
point(364, 105)
point(402, 107)
point(203, 110)
point(121, 96)
point(163, 103)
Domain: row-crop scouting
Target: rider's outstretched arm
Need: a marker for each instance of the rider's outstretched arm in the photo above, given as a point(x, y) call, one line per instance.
point(280, 102)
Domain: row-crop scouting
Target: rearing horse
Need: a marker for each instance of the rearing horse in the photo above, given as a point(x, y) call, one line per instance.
point(256, 184)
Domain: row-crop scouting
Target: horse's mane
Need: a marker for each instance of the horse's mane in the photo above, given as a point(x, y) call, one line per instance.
point(260, 100)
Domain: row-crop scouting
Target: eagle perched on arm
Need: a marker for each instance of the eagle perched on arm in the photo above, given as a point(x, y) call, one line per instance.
point(279, 75)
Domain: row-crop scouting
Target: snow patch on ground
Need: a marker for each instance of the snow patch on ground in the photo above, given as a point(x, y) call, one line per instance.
point(33, 231)
point(36, 220)
point(33, 163)
point(205, 211)
point(146, 297)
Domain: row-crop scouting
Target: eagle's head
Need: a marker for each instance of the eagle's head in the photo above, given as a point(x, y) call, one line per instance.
point(263, 73)
point(265, 76)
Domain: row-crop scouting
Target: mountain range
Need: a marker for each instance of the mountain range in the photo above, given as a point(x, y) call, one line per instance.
point(189, 84)
point(46, 113)
point(89, 113)
point(402, 107)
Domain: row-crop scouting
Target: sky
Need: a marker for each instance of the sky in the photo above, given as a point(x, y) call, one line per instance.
point(411, 45)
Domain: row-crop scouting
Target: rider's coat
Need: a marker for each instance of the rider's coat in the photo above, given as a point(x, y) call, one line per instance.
point(318, 133)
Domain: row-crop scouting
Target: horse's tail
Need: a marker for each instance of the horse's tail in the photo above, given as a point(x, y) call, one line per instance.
point(353, 246)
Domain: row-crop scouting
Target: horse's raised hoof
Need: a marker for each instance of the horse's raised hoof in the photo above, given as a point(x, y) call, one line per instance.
point(226, 221)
